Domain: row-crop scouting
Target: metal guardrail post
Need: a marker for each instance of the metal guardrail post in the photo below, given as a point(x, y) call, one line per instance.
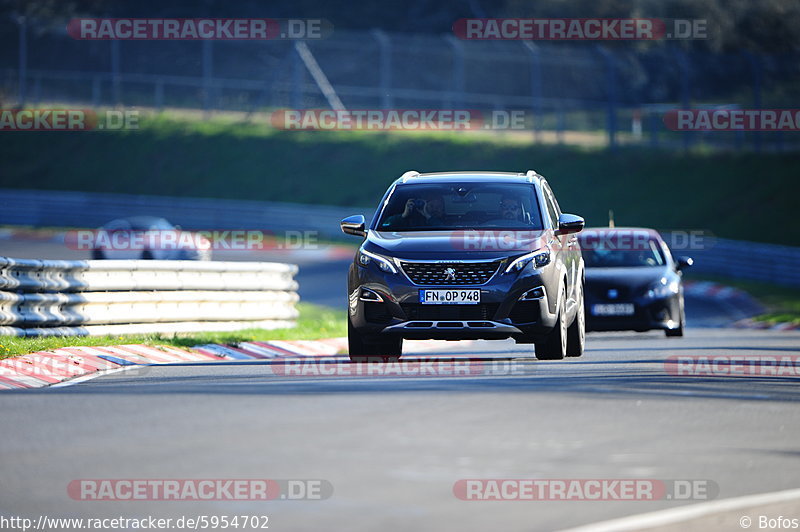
point(23, 61)
point(611, 95)
point(208, 72)
point(536, 86)
point(758, 76)
point(458, 82)
point(116, 79)
point(385, 68)
point(96, 94)
point(685, 70)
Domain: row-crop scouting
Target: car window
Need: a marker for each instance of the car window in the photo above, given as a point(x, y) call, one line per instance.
point(448, 206)
point(117, 225)
point(552, 210)
point(601, 255)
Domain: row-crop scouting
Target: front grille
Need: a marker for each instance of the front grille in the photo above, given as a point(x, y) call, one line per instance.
point(418, 311)
point(600, 291)
point(462, 273)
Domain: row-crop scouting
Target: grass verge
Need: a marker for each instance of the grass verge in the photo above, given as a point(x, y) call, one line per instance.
point(315, 322)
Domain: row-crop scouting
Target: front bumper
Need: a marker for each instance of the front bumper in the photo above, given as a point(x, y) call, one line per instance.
point(649, 314)
point(499, 314)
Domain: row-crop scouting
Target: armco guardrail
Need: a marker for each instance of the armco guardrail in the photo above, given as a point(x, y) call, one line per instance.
point(53, 297)
point(38, 208)
point(50, 208)
point(739, 259)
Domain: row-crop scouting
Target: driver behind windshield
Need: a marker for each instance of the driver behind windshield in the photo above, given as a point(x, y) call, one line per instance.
point(510, 208)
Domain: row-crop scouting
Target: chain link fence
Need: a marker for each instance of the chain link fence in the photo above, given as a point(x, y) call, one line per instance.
point(614, 93)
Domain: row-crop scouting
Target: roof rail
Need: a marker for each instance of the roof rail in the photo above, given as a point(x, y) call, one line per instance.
point(409, 174)
point(530, 174)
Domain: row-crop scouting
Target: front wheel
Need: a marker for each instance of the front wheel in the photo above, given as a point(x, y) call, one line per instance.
point(681, 321)
point(576, 334)
point(554, 346)
point(364, 349)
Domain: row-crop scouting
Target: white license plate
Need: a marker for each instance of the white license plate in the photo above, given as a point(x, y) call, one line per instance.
point(613, 309)
point(449, 297)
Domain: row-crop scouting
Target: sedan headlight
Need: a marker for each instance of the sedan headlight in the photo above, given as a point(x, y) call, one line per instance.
point(662, 289)
point(365, 257)
point(538, 258)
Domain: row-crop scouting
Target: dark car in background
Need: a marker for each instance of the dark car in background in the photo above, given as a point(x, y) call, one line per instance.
point(632, 281)
point(466, 255)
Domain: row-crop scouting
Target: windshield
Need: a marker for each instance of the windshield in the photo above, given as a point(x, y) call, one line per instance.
point(601, 256)
point(431, 207)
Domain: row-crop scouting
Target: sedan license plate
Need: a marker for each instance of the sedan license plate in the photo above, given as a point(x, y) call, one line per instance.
point(613, 309)
point(449, 297)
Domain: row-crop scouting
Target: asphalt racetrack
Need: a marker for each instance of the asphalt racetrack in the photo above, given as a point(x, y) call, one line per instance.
point(392, 447)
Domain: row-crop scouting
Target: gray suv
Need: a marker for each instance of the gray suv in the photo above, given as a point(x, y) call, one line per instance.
point(466, 255)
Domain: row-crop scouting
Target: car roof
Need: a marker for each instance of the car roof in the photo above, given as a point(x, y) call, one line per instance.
point(450, 177)
point(138, 222)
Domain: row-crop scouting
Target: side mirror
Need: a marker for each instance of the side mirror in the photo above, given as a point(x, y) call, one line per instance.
point(354, 225)
point(683, 262)
point(569, 223)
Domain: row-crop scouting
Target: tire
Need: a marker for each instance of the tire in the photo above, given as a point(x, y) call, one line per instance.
point(554, 347)
point(364, 349)
point(576, 333)
point(674, 333)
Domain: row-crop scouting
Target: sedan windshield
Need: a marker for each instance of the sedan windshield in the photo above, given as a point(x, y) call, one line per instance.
point(599, 256)
point(431, 207)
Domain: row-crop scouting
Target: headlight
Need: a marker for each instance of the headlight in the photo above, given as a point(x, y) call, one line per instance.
point(365, 257)
point(538, 258)
point(662, 289)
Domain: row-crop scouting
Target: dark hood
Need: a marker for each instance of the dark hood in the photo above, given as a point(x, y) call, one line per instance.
point(635, 278)
point(451, 244)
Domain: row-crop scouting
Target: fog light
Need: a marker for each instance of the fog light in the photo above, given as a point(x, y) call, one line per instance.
point(533, 294)
point(370, 295)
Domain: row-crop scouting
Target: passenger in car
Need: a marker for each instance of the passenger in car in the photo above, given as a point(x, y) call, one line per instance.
point(425, 212)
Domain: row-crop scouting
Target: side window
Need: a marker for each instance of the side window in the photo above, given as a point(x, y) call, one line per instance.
point(552, 210)
point(555, 202)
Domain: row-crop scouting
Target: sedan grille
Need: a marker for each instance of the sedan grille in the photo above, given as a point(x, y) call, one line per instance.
point(608, 291)
point(450, 273)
